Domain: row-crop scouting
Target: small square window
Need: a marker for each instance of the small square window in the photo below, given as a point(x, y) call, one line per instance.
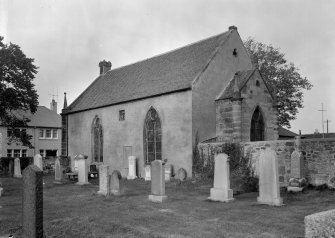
point(9, 153)
point(17, 153)
point(122, 115)
point(41, 133)
point(48, 133)
point(24, 153)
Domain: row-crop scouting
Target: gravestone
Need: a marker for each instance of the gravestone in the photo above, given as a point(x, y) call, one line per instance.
point(82, 170)
point(269, 192)
point(132, 167)
point(17, 168)
point(331, 183)
point(1, 189)
point(38, 161)
point(104, 180)
point(297, 181)
point(221, 190)
point(157, 182)
point(32, 209)
point(58, 172)
point(167, 172)
point(11, 167)
point(115, 183)
point(147, 172)
point(181, 174)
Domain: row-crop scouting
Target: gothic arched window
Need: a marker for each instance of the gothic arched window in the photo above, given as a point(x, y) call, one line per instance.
point(97, 140)
point(152, 137)
point(257, 126)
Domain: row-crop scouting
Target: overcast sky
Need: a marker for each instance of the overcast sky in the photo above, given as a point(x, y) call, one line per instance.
point(67, 39)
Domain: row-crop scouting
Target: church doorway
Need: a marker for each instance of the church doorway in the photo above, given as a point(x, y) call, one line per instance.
point(152, 134)
point(257, 126)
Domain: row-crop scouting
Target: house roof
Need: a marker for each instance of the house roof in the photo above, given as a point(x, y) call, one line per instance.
point(318, 135)
point(162, 74)
point(43, 117)
point(241, 77)
point(282, 132)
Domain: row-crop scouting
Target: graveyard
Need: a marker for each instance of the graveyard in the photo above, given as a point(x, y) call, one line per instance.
point(70, 210)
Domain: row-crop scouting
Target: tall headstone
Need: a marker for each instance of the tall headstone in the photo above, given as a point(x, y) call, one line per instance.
point(147, 172)
point(32, 209)
point(269, 192)
point(38, 161)
point(11, 167)
point(297, 165)
point(132, 167)
point(82, 170)
point(17, 168)
point(58, 171)
point(157, 182)
point(221, 190)
point(167, 172)
point(115, 183)
point(103, 180)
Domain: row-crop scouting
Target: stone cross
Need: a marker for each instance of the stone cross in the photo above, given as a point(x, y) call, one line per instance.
point(221, 190)
point(115, 183)
point(157, 182)
point(297, 165)
point(103, 180)
point(147, 171)
point(38, 161)
point(132, 167)
point(82, 170)
point(17, 168)
point(32, 209)
point(269, 192)
point(58, 171)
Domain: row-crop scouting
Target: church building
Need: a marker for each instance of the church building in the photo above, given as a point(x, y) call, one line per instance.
point(159, 107)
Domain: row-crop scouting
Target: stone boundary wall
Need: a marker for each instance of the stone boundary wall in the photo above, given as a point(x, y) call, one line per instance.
point(321, 224)
point(319, 157)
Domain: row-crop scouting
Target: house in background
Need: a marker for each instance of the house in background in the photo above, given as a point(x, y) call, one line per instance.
point(160, 107)
point(45, 128)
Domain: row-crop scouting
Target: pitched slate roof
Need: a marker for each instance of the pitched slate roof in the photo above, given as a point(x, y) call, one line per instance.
point(282, 132)
point(166, 73)
point(43, 117)
point(242, 77)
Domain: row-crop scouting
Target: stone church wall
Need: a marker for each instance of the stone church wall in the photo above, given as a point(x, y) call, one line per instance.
point(319, 156)
point(121, 138)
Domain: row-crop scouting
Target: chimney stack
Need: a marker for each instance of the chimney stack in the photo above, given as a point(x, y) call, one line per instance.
point(65, 101)
point(104, 66)
point(233, 28)
point(53, 105)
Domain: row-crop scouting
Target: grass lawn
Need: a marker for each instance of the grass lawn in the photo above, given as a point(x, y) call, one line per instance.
point(77, 211)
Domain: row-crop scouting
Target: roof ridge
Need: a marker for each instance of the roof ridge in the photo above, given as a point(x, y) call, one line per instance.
point(168, 52)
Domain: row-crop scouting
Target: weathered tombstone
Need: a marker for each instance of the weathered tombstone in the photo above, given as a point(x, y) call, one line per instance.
point(221, 190)
point(103, 180)
point(10, 167)
point(157, 182)
point(32, 209)
point(147, 171)
point(1, 190)
point(115, 183)
point(38, 161)
point(132, 167)
point(269, 192)
point(331, 183)
point(321, 224)
point(17, 168)
point(82, 170)
point(297, 181)
point(181, 174)
point(58, 171)
point(167, 172)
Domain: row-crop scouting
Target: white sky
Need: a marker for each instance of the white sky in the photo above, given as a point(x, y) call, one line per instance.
point(67, 39)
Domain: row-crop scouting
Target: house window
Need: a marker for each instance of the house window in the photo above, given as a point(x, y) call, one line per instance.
point(97, 140)
point(24, 153)
point(41, 133)
point(121, 115)
point(48, 133)
point(54, 134)
point(257, 126)
point(17, 153)
point(9, 132)
point(152, 136)
point(9, 153)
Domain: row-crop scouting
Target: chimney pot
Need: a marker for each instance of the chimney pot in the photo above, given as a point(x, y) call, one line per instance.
point(233, 28)
point(104, 66)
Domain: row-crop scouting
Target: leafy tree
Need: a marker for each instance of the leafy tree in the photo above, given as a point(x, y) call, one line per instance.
point(283, 78)
point(17, 93)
